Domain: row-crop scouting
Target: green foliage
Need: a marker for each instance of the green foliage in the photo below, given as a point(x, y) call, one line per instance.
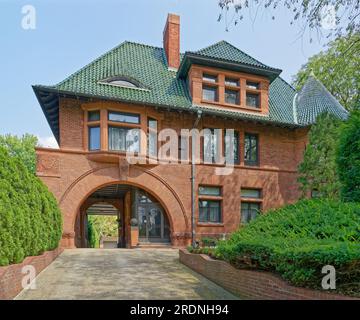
point(209, 242)
point(30, 220)
point(296, 241)
point(22, 148)
point(105, 225)
point(348, 159)
point(318, 171)
point(338, 69)
point(93, 235)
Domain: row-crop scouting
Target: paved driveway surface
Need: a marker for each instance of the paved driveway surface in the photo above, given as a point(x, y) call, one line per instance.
point(122, 274)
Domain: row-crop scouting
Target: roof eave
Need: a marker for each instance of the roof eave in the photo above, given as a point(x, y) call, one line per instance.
point(191, 58)
point(53, 94)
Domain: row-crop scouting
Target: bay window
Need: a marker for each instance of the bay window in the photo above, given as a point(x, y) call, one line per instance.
point(94, 138)
point(124, 139)
point(124, 117)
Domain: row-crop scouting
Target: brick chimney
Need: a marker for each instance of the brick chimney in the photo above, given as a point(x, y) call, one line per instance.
point(172, 41)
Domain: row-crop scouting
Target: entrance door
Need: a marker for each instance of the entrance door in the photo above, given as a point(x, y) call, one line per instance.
point(153, 225)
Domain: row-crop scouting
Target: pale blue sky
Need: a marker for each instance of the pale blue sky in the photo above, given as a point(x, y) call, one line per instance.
point(70, 34)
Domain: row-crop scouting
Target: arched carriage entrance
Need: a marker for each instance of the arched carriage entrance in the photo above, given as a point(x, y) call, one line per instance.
point(140, 216)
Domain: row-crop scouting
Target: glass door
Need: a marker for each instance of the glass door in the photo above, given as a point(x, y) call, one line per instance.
point(153, 225)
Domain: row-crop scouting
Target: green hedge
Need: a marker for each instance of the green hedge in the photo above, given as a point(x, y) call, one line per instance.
point(30, 220)
point(298, 240)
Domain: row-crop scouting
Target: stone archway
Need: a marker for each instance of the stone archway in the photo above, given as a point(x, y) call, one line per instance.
point(80, 189)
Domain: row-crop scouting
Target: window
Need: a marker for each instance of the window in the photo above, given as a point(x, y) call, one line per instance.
point(232, 143)
point(121, 82)
point(93, 116)
point(124, 117)
point(253, 85)
point(231, 82)
point(209, 191)
point(94, 138)
point(251, 153)
point(210, 78)
point(210, 211)
point(210, 93)
point(253, 100)
point(152, 138)
point(249, 211)
point(251, 193)
point(212, 139)
point(232, 96)
point(124, 139)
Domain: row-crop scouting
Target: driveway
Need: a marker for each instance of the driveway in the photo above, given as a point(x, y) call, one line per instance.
point(122, 274)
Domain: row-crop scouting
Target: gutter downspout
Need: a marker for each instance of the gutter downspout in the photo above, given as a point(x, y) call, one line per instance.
point(193, 174)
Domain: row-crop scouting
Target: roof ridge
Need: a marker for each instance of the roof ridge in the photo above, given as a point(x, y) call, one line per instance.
point(287, 83)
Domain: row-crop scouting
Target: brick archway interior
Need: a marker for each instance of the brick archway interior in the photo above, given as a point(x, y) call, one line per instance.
point(76, 199)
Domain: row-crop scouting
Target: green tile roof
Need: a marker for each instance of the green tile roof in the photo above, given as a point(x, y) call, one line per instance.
point(226, 51)
point(314, 99)
point(147, 65)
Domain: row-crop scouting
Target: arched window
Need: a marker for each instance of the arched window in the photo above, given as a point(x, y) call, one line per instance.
point(122, 82)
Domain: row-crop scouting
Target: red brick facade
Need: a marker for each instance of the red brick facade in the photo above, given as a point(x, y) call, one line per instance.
point(73, 172)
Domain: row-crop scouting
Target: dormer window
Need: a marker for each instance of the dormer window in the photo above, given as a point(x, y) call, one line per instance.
point(253, 100)
point(210, 78)
point(210, 93)
point(231, 82)
point(232, 96)
point(228, 89)
point(122, 82)
point(253, 85)
point(253, 94)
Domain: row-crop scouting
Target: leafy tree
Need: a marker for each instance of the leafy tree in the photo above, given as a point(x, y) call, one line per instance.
point(22, 148)
point(348, 159)
point(105, 225)
point(318, 170)
point(340, 17)
point(338, 69)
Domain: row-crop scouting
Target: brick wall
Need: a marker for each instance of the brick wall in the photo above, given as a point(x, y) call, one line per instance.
point(249, 284)
point(71, 122)
point(72, 173)
point(11, 276)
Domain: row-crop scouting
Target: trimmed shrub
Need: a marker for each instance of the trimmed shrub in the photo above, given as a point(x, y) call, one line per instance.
point(93, 235)
point(297, 241)
point(30, 220)
point(348, 159)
